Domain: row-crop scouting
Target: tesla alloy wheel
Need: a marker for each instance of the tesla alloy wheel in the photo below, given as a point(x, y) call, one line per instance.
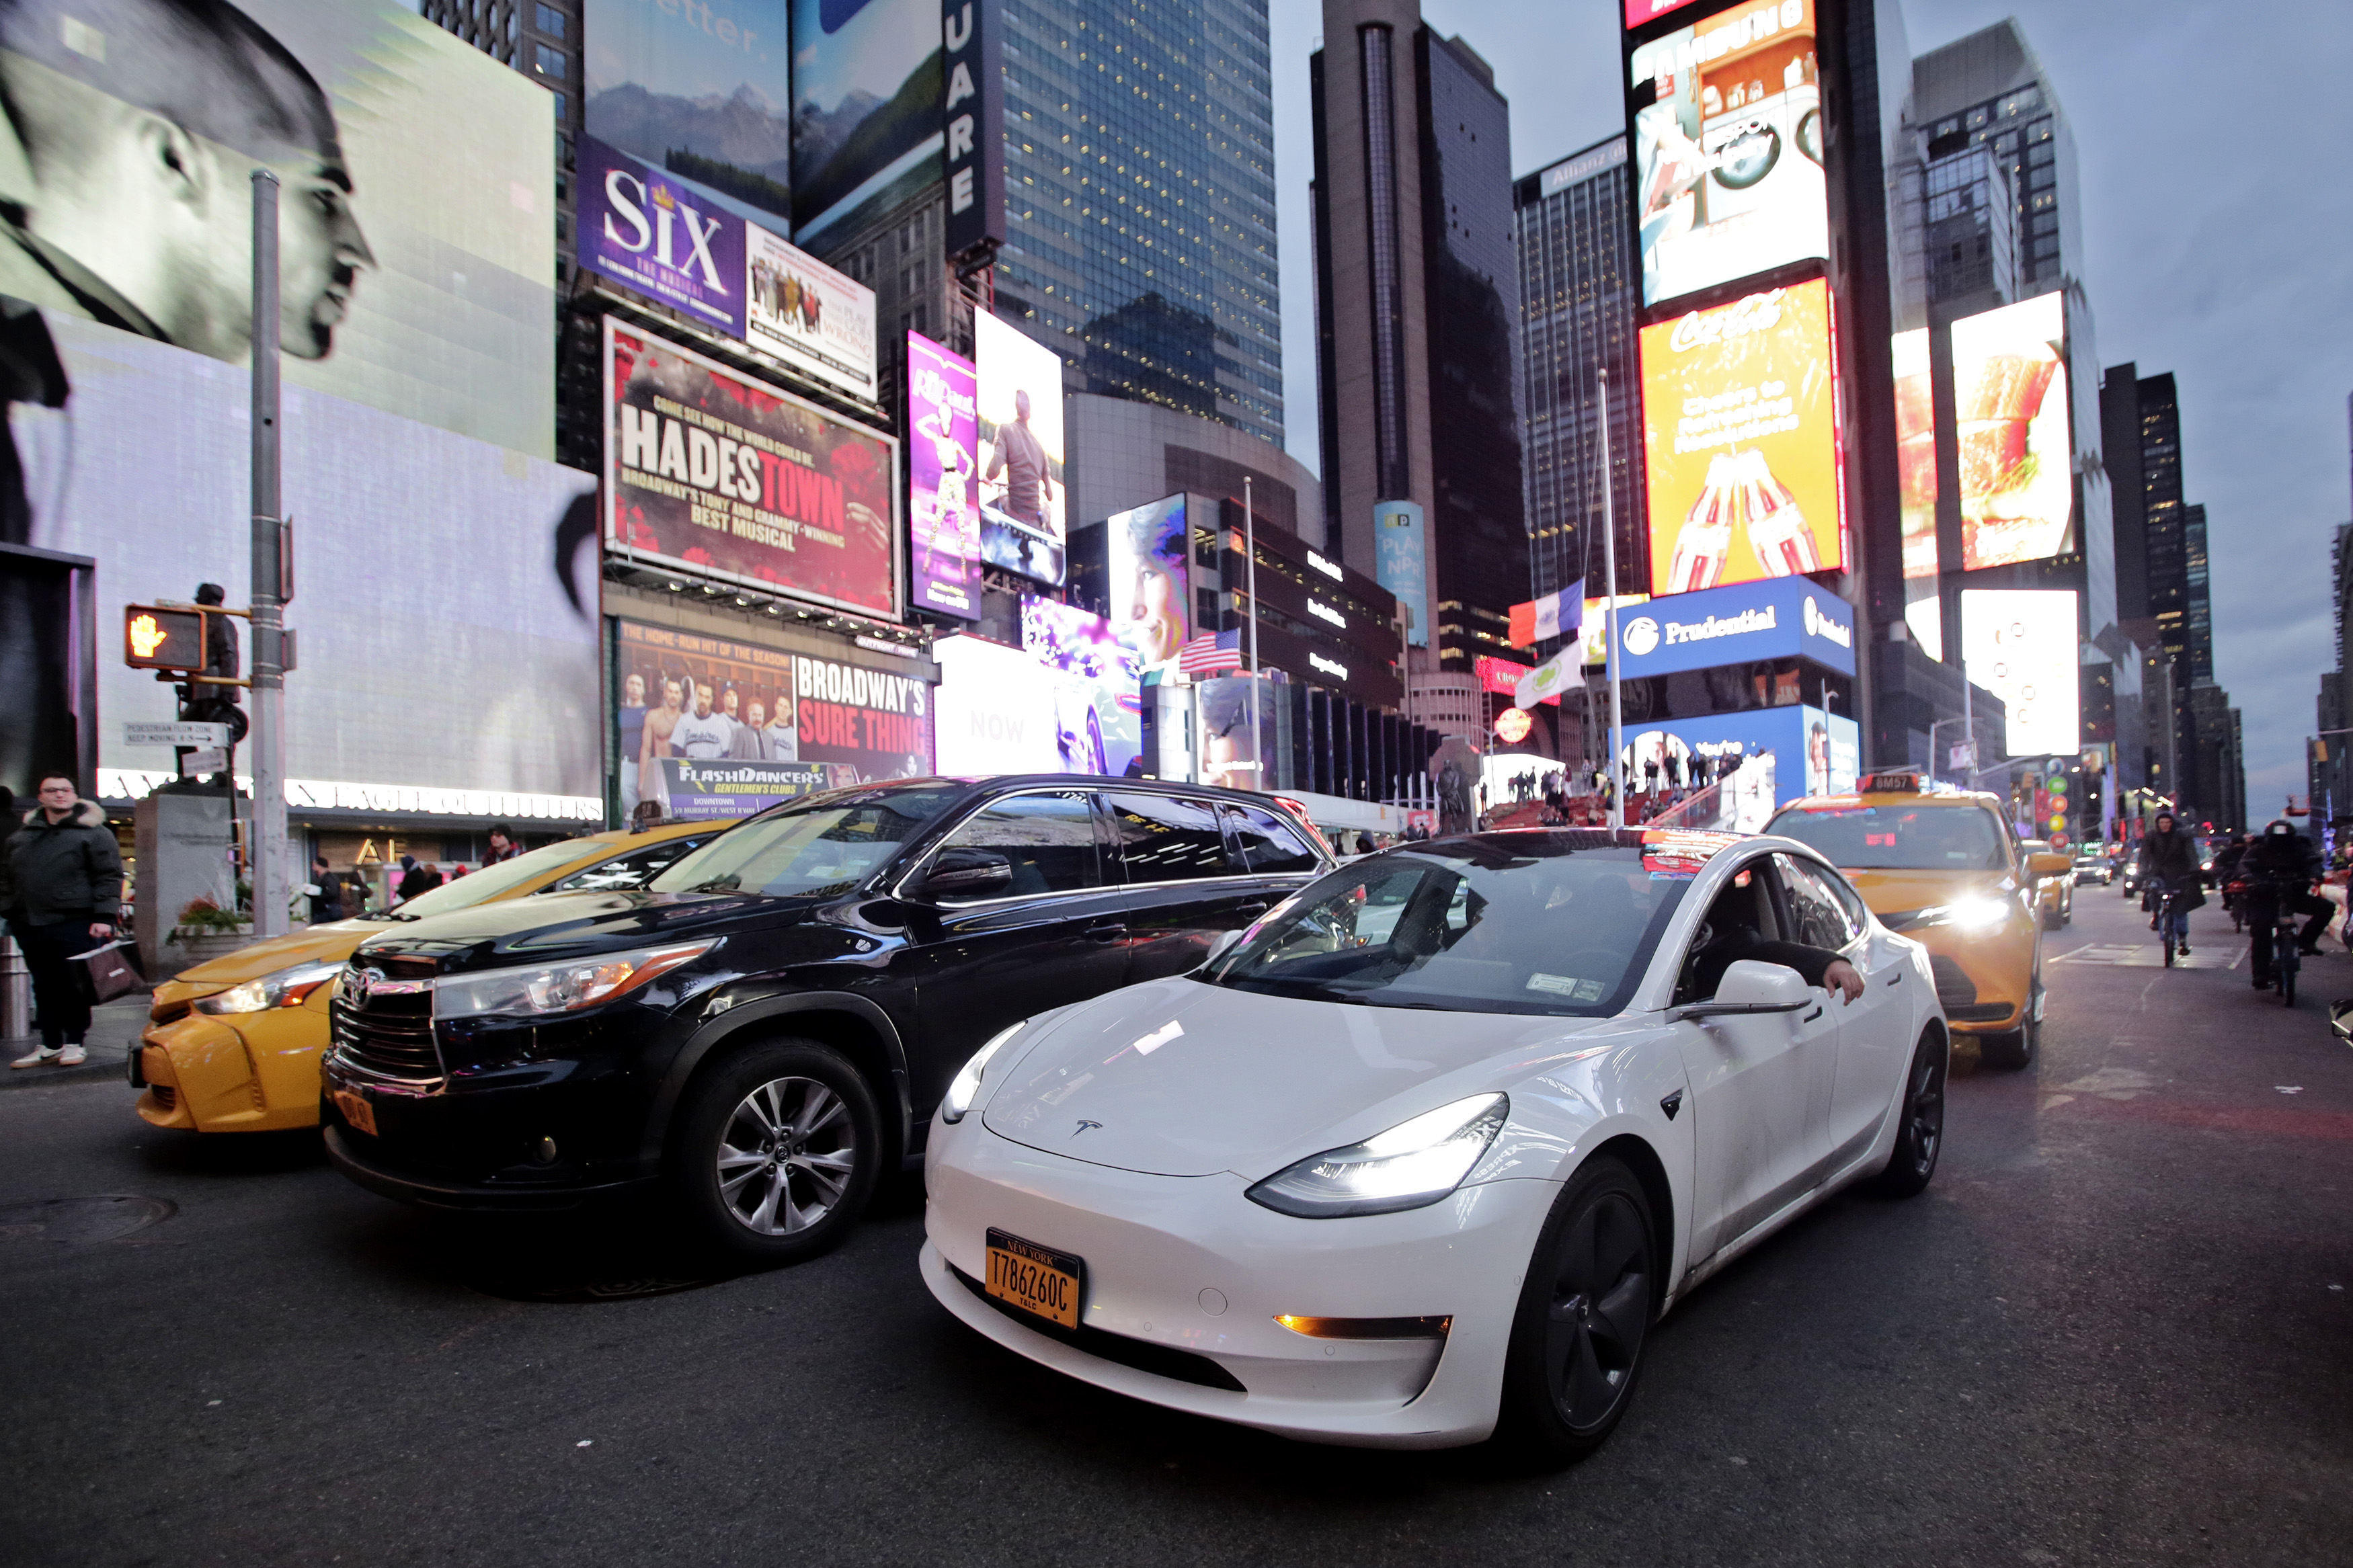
point(1920, 1123)
point(1584, 1316)
point(779, 1148)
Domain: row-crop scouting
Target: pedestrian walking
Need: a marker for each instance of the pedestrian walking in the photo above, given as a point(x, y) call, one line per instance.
point(66, 883)
point(327, 903)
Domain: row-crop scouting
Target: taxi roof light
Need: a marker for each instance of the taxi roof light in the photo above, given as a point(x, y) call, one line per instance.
point(1890, 781)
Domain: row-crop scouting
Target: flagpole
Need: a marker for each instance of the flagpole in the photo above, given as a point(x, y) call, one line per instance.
point(1609, 612)
point(1250, 546)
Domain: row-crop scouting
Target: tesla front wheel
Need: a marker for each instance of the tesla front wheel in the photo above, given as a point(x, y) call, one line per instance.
point(1584, 1316)
point(1920, 1127)
point(778, 1150)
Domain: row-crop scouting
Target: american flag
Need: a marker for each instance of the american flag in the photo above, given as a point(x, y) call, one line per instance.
point(1211, 652)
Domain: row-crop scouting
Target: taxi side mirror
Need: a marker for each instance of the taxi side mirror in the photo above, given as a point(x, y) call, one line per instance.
point(2049, 865)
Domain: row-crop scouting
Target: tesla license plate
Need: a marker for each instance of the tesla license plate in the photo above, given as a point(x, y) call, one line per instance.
point(357, 1111)
point(1037, 1279)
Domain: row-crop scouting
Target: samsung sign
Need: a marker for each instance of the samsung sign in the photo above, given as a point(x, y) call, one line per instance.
point(1752, 621)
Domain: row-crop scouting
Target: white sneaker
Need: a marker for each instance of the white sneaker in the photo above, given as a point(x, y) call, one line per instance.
point(40, 1057)
point(72, 1057)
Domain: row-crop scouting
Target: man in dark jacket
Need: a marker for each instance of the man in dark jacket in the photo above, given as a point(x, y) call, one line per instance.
point(67, 876)
point(2280, 867)
point(2168, 859)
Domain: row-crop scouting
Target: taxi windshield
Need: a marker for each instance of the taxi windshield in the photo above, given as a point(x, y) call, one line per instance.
point(493, 881)
point(1899, 837)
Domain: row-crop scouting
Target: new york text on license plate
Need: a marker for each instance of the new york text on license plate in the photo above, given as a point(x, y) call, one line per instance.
point(1034, 1279)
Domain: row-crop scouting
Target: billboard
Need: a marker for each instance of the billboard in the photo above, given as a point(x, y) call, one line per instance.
point(1640, 11)
point(803, 314)
point(1728, 148)
point(995, 712)
point(1915, 466)
point(703, 92)
point(863, 724)
point(1593, 637)
point(1150, 549)
point(972, 121)
point(942, 477)
point(711, 472)
point(1401, 562)
point(1741, 441)
point(866, 108)
point(2016, 440)
point(2020, 643)
point(1763, 758)
point(417, 269)
point(1738, 626)
point(703, 724)
point(1022, 529)
point(445, 590)
point(1094, 684)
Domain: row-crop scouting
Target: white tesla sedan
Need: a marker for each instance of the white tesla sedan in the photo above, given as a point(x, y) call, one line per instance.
point(1421, 1157)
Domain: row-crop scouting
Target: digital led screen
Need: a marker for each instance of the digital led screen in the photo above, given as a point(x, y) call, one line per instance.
point(1916, 464)
point(2021, 645)
point(866, 108)
point(942, 477)
point(702, 91)
point(1149, 549)
point(1728, 148)
point(2016, 440)
point(1094, 681)
point(996, 710)
point(1640, 11)
point(1741, 441)
point(1023, 530)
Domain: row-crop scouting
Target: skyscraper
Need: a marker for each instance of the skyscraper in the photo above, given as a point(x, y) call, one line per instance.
point(1578, 298)
point(1415, 296)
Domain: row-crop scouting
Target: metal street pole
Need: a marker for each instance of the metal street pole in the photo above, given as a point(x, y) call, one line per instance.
point(1250, 548)
point(268, 653)
point(1609, 612)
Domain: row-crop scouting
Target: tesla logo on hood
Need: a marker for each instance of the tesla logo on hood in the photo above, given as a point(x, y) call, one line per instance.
point(1084, 1125)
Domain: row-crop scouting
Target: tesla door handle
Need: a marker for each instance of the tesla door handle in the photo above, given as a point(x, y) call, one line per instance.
point(1811, 1016)
point(1107, 934)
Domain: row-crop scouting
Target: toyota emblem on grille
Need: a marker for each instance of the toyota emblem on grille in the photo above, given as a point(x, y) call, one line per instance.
point(361, 982)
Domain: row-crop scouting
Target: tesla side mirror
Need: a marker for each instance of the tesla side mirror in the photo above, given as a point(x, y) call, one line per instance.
point(1749, 986)
point(967, 874)
point(2049, 865)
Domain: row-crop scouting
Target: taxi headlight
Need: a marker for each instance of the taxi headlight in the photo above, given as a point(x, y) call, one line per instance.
point(283, 988)
point(1966, 914)
point(1413, 1163)
point(965, 1086)
point(557, 987)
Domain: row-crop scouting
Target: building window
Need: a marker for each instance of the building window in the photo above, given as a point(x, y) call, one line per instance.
point(549, 60)
point(551, 21)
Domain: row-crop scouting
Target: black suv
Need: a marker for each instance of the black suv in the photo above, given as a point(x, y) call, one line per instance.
point(769, 1025)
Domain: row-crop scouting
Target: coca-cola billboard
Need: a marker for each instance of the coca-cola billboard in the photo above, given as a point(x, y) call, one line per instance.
point(1741, 436)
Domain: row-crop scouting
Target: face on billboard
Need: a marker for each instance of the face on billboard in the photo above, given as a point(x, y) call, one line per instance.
point(714, 473)
point(1150, 550)
point(1021, 496)
point(2017, 443)
point(866, 108)
point(1728, 149)
point(2020, 644)
point(705, 726)
point(708, 96)
point(1094, 678)
point(1739, 429)
point(942, 476)
point(136, 145)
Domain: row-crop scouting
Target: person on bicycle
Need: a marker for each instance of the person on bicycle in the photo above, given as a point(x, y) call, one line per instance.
point(2168, 864)
point(2281, 867)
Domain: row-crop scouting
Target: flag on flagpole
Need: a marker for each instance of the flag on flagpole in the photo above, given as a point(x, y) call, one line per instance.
point(1211, 652)
point(1554, 616)
point(1546, 683)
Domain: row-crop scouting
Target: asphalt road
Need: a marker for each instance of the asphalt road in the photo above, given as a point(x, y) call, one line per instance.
point(2118, 1329)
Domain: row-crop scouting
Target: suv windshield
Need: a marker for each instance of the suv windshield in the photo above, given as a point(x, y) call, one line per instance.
point(825, 845)
point(493, 881)
point(1899, 837)
point(1469, 926)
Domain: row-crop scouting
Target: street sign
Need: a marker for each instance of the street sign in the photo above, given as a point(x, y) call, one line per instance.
point(196, 764)
point(1964, 755)
point(156, 638)
point(174, 734)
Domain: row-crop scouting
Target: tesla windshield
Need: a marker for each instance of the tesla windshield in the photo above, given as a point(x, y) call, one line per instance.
point(1468, 926)
point(826, 845)
point(1899, 837)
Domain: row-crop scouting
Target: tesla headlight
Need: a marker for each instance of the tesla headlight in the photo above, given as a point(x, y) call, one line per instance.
point(557, 987)
point(965, 1086)
point(1969, 914)
point(1412, 1163)
point(282, 988)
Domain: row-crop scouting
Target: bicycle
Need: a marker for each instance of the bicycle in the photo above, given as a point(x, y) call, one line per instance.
point(2287, 952)
point(2166, 896)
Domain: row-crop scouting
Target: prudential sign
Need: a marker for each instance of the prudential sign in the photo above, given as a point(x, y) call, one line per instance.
point(1772, 619)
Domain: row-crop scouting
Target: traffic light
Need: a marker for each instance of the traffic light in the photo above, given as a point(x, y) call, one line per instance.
point(173, 639)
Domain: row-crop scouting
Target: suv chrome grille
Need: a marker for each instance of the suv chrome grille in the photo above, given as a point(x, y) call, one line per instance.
point(392, 1037)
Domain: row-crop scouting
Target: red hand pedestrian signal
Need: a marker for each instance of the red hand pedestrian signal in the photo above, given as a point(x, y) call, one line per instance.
point(155, 637)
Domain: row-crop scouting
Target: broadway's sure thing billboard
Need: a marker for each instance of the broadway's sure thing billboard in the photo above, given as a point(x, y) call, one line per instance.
point(662, 237)
point(1741, 440)
point(863, 724)
point(705, 726)
point(866, 108)
point(1021, 497)
point(2017, 443)
point(942, 477)
point(702, 92)
point(1728, 148)
point(417, 207)
point(713, 473)
point(2021, 645)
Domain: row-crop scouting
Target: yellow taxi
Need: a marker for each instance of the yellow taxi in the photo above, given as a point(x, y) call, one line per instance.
point(233, 1045)
point(2057, 894)
point(1945, 869)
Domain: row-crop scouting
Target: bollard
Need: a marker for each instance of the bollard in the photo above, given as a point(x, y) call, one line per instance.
point(15, 992)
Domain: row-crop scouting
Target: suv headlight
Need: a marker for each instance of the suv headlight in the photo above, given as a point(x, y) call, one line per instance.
point(281, 988)
point(965, 1086)
point(558, 987)
point(1413, 1163)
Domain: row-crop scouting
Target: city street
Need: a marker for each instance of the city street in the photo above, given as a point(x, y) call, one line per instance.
point(2116, 1330)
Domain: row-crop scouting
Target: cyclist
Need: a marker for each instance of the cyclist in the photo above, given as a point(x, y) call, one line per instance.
point(2281, 867)
point(2168, 863)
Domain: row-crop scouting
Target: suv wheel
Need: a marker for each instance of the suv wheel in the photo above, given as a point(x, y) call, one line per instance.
point(778, 1150)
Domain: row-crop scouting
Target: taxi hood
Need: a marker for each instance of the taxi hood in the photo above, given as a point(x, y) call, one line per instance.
point(329, 944)
point(1903, 892)
point(1181, 1077)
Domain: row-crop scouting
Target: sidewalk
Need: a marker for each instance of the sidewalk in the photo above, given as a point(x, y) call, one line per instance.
point(112, 1028)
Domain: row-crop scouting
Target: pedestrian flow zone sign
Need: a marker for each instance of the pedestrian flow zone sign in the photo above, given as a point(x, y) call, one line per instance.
point(175, 734)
